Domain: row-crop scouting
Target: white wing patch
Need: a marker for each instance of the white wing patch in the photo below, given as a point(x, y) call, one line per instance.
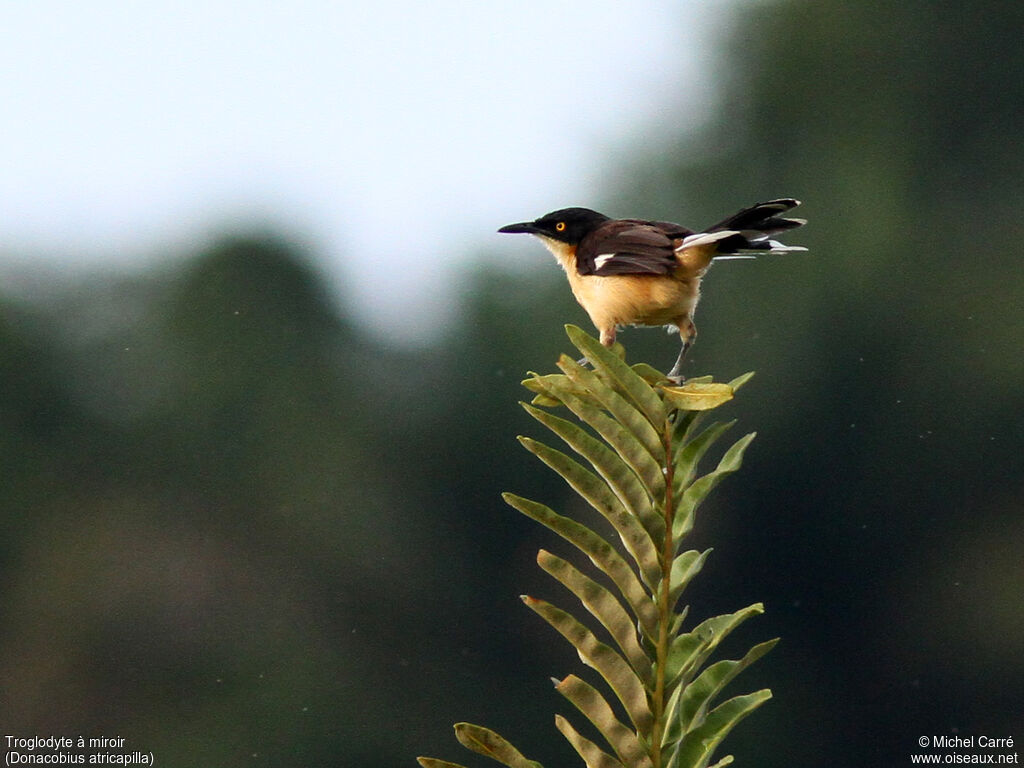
point(703, 238)
point(602, 259)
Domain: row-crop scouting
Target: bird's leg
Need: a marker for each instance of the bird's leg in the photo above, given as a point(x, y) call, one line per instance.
point(676, 374)
point(687, 333)
point(607, 339)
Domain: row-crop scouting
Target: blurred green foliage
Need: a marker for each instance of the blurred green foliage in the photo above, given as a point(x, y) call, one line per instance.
point(236, 531)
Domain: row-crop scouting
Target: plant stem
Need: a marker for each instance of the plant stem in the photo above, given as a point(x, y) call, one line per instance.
point(664, 609)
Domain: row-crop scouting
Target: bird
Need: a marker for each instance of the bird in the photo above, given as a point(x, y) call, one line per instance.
point(634, 272)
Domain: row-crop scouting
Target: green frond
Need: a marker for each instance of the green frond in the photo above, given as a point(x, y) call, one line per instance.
point(609, 465)
point(689, 651)
point(697, 747)
point(684, 568)
point(639, 440)
point(698, 695)
point(629, 449)
point(625, 413)
point(596, 492)
point(628, 381)
point(593, 706)
point(486, 742)
point(650, 374)
point(701, 487)
point(601, 553)
point(740, 380)
point(690, 454)
point(593, 756)
point(432, 762)
point(603, 606)
point(621, 678)
point(541, 383)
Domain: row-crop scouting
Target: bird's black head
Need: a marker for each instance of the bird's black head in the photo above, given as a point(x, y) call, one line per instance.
point(567, 225)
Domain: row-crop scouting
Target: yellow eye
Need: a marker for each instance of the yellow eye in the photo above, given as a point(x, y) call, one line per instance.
point(560, 226)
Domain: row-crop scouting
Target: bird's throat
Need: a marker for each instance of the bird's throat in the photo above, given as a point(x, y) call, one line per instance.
point(564, 253)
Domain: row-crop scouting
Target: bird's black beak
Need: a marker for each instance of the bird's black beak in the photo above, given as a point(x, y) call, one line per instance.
point(522, 228)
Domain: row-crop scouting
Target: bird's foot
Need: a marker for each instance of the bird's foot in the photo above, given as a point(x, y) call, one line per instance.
point(676, 374)
point(585, 362)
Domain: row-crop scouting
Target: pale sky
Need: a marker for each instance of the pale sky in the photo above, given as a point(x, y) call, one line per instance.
point(392, 137)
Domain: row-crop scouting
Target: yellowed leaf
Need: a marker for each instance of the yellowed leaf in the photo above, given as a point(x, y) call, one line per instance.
point(698, 395)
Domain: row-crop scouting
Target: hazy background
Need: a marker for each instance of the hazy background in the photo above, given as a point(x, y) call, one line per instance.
point(260, 351)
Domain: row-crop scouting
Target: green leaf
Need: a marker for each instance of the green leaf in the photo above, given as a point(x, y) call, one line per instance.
point(432, 762)
point(486, 742)
point(539, 383)
point(613, 668)
point(629, 449)
point(698, 745)
point(625, 413)
point(684, 568)
point(601, 553)
point(592, 755)
point(695, 448)
point(684, 423)
point(614, 369)
point(670, 736)
point(545, 400)
point(593, 706)
point(690, 650)
point(740, 380)
point(650, 374)
point(701, 487)
point(604, 607)
point(596, 492)
point(677, 621)
point(699, 693)
point(620, 478)
point(698, 395)
point(557, 386)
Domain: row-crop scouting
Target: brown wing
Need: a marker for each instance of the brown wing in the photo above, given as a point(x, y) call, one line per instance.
point(628, 247)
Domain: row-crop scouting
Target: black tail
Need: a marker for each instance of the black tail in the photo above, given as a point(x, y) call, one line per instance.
point(754, 227)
